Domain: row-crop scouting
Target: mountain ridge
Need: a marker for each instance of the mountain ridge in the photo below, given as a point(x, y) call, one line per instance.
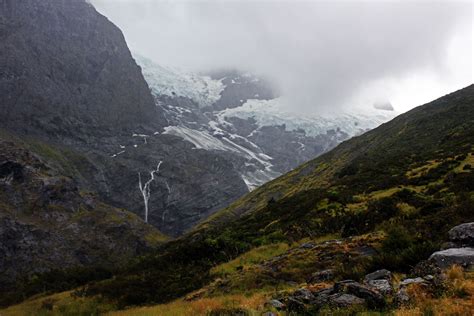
point(367, 191)
point(366, 138)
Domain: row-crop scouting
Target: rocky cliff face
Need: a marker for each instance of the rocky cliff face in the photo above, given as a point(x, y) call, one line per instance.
point(47, 222)
point(68, 81)
point(66, 68)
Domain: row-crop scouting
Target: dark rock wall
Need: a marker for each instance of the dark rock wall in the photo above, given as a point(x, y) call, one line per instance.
point(68, 80)
point(65, 66)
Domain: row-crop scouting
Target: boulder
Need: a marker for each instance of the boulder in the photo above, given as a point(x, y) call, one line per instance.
point(460, 256)
point(383, 274)
point(382, 286)
point(409, 281)
point(345, 300)
point(402, 297)
point(303, 295)
point(462, 235)
point(321, 276)
point(276, 304)
point(341, 285)
point(325, 292)
point(371, 296)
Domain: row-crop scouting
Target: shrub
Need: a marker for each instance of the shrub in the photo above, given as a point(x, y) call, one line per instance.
point(400, 251)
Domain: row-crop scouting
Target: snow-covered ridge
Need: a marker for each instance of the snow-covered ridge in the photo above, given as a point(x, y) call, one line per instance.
point(259, 167)
point(271, 113)
point(258, 154)
point(173, 82)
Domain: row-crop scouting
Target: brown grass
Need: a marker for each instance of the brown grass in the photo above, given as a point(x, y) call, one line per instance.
point(254, 304)
point(457, 301)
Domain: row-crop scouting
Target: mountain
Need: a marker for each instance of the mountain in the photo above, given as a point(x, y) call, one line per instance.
point(239, 116)
point(69, 81)
point(48, 223)
point(381, 158)
point(75, 109)
point(89, 140)
point(65, 68)
point(388, 197)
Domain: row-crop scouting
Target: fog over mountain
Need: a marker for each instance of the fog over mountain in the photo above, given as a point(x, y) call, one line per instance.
point(322, 55)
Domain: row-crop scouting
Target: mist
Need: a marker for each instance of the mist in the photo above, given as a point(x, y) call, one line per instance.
point(323, 56)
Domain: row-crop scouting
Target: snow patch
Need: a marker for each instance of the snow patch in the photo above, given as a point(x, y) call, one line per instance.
point(271, 113)
point(173, 82)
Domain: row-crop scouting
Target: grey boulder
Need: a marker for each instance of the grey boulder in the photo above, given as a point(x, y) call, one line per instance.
point(383, 286)
point(462, 235)
point(345, 300)
point(382, 274)
point(460, 256)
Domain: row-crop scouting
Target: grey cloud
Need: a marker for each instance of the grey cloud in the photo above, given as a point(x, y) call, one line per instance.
point(321, 54)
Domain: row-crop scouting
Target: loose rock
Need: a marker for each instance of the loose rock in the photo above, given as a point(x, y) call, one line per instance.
point(276, 303)
point(409, 281)
point(345, 300)
point(446, 258)
point(383, 286)
point(462, 235)
point(304, 295)
point(383, 274)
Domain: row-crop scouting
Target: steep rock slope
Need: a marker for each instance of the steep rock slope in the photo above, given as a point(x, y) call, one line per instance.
point(411, 178)
point(66, 67)
point(69, 81)
point(48, 223)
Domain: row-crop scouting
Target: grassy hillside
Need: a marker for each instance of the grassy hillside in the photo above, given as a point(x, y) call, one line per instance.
point(411, 177)
point(379, 159)
point(388, 197)
point(55, 234)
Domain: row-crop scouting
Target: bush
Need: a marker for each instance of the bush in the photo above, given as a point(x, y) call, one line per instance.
point(400, 251)
point(398, 239)
point(363, 222)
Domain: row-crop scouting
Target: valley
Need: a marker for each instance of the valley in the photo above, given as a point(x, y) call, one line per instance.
point(130, 187)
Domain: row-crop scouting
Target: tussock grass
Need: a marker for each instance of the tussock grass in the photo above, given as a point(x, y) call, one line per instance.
point(253, 304)
point(249, 258)
point(59, 304)
point(458, 299)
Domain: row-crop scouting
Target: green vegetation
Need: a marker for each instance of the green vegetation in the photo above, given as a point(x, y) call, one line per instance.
point(408, 178)
point(364, 185)
point(252, 257)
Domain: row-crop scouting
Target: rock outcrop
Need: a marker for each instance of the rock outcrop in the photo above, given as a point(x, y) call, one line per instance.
point(462, 235)
point(342, 294)
point(459, 256)
point(460, 248)
point(67, 68)
point(47, 223)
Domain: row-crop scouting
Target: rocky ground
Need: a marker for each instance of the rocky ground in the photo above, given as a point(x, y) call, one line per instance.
point(379, 290)
point(48, 223)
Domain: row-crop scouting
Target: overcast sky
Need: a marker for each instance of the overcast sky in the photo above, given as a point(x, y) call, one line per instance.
point(323, 55)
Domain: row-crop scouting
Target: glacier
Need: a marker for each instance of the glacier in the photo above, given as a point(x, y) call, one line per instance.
point(174, 82)
point(268, 140)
